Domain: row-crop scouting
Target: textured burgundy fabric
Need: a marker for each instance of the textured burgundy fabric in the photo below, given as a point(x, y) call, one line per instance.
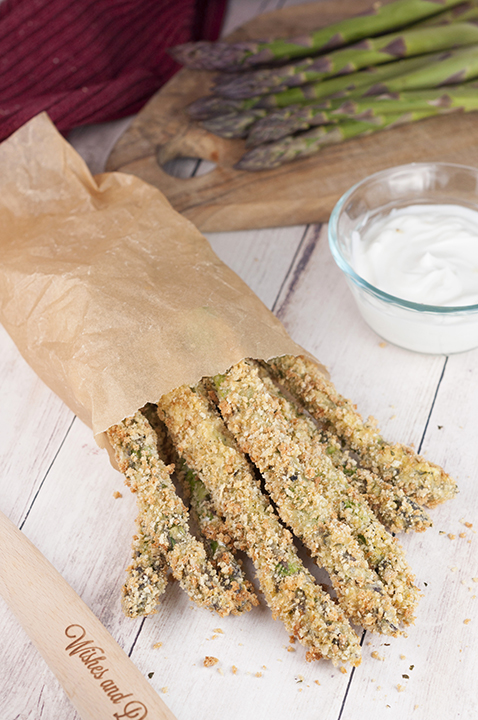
point(87, 61)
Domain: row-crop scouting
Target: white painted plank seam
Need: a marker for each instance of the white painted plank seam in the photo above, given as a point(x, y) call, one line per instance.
point(47, 472)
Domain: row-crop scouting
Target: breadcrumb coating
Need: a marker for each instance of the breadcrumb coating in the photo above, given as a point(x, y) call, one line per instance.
point(256, 420)
point(399, 465)
point(396, 510)
point(306, 610)
point(217, 540)
point(163, 514)
point(146, 577)
point(382, 551)
point(211, 527)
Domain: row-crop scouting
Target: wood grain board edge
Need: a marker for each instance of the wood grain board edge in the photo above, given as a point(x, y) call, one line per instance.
point(301, 192)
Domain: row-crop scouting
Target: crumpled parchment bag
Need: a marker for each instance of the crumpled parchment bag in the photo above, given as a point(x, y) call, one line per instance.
point(110, 295)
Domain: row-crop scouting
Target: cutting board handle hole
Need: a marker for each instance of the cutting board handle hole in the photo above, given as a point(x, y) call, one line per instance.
point(187, 167)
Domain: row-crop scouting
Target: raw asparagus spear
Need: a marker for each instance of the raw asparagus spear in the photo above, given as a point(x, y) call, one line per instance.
point(213, 105)
point(238, 56)
point(427, 483)
point(306, 610)
point(373, 51)
point(253, 416)
point(163, 514)
point(464, 12)
point(234, 125)
point(272, 155)
point(384, 555)
point(288, 121)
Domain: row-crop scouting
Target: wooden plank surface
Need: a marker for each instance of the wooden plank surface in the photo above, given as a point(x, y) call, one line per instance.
point(57, 485)
point(303, 191)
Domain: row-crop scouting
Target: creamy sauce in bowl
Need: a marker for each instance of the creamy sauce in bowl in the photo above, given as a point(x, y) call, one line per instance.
point(425, 254)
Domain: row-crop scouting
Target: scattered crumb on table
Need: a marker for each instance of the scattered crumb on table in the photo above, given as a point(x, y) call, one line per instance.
point(209, 660)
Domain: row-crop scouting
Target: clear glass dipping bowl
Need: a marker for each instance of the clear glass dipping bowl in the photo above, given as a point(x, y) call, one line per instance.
point(422, 328)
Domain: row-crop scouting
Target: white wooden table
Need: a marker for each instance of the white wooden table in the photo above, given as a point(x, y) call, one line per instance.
point(60, 489)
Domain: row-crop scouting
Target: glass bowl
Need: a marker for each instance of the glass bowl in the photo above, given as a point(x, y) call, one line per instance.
point(422, 328)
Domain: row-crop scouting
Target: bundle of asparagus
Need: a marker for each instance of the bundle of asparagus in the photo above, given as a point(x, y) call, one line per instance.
point(388, 77)
point(268, 451)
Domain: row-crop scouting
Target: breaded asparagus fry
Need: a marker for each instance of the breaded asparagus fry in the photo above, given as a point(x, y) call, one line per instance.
point(217, 540)
point(382, 551)
point(255, 419)
point(399, 465)
point(163, 514)
point(397, 511)
point(394, 509)
point(147, 576)
point(306, 610)
point(212, 529)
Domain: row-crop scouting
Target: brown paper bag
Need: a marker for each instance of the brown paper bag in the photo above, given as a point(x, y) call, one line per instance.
point(110, 295)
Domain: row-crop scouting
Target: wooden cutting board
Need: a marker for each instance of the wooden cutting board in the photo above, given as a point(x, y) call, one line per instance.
point(304, 191)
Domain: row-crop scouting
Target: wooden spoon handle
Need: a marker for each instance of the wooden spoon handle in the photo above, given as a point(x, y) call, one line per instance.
point(97, 675)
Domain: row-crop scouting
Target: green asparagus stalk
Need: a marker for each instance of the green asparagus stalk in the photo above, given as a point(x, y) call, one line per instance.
point(287, 121)
point(239, 56)
point(373, 51)
point(306, 610)
point(464, 12)
point(373, 80)
point(213, 105)
point(426, 482)
point(254, 418)
point(234, 125)
point(272, 155)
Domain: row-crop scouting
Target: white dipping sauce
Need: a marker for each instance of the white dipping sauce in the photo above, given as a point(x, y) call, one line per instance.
point(426, 254)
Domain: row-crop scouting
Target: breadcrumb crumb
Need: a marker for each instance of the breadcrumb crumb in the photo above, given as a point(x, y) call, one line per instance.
point(117, 494)
point(209, 661)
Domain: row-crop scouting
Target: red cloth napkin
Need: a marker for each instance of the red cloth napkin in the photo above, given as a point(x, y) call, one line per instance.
point(88, 61)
